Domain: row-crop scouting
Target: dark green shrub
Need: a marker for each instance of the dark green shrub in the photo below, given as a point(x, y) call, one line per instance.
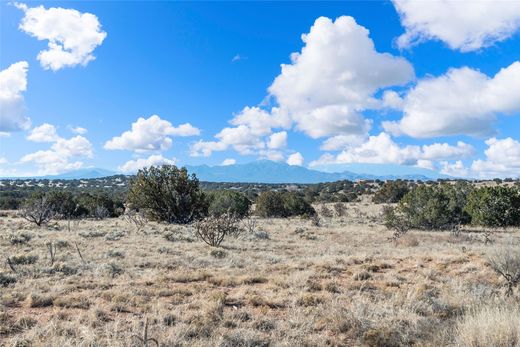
point(494, 206)
point(391, 192)
point(63, 204)
point(282, 204)
point(295, 205)
point(227, 201)
point(168, 194)
point(96, 206)
point(270, 204)
point(435, 207)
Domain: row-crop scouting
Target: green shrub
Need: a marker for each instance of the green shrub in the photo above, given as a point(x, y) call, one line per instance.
point(435, 207)
point(283, 204)
point(62, 203)
point(96, 205)
point(226, 201)
point(270, 204)
point(494, 206)
point(391, 192)
point(168, 194)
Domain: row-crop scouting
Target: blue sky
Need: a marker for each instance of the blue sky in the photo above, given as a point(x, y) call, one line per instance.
point(375, 82)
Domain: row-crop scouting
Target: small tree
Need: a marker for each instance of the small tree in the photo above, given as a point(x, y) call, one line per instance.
point(438, 207)
point(494, 207)
point(506, 263)
point(270, 204)
point(64, 205)
point(37, 209)
point(214, 229)
point(391, 192)
point(168, 194)
point(395, 221)
point(226, 201)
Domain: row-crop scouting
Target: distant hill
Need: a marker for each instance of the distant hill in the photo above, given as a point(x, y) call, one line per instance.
point(266, 171)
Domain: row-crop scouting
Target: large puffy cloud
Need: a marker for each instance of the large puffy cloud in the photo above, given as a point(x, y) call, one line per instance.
point(462, 25)
point(133, 166)
point(502, 159)
point(322, 91)
point(43, 133)
point(381, 149)
point(150, 134)
point(334, 78)
point(462, 101)
point(13, 81)
point(251, 134)
point(72, 35)
point(58, 158)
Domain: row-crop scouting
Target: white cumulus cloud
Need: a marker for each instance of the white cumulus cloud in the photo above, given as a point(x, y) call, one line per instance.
point(295, 159)
point(149, 135)
point(462, 25)
point(72, 36)
point(43, 133)
point(334, 78)
point(382, 149)
point(462, 101)
point(13, 81)
point(133, 166)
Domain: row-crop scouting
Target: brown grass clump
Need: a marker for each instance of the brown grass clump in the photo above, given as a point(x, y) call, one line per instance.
point(497, 326)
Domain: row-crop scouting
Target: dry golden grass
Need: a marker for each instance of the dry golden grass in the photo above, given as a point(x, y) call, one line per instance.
point(340, 284)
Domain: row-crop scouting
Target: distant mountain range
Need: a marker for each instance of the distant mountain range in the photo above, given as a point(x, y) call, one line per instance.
point(266, 171)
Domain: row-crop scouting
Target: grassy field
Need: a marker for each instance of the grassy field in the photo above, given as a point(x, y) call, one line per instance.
point(289, 283)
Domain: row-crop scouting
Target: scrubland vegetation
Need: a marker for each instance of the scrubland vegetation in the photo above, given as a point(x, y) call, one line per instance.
point(171, 264)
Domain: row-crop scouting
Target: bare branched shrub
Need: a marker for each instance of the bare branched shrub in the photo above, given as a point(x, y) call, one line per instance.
point(101, 212)
point(326, 212)
point(396, 222)
point(213, 229)
point(37, 210)
point(249, 224)
point(135, 218)
point(506, 262)
point(340, 209)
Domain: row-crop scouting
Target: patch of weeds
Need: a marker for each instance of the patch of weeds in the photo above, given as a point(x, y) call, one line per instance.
point(262, 235)
point(24, 259)
point(114, 235)
point(20, 239)
point(6, 279)
point(309, 300)
point(264, 325)
point(362, 276)
point(39, 300)
point(218, 253)
point(113, 269)
point(169, 320)
point(92, 234)
point(114, 253)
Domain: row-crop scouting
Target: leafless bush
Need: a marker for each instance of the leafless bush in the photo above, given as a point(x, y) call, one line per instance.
point(101, 212)
point(249, 224)
point(37, 210)
point(135, 218)
point(340, 209)
point(213, 229)
point(506, 262)
point(326, 212)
